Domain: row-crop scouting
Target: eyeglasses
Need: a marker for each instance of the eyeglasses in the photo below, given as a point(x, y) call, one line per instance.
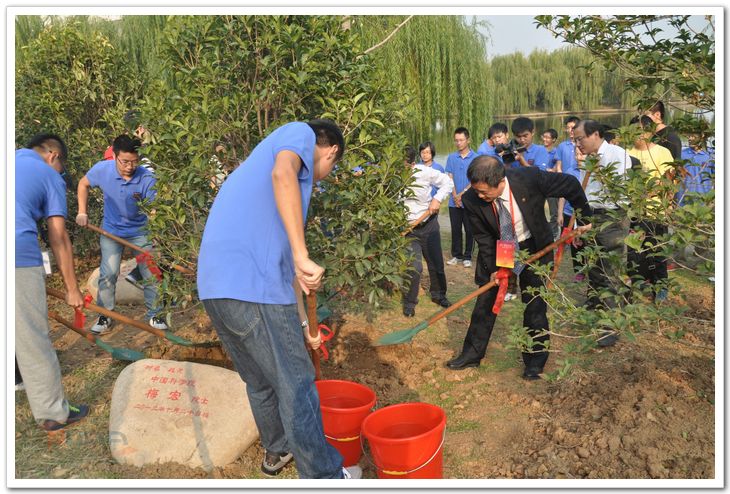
point(578, 139)
point(129, 162)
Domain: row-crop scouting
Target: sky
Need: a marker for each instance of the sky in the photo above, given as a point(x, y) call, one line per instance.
point(503, 38)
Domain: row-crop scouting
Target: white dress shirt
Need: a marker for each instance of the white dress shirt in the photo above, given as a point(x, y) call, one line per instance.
point(521, 231)
point(609, 154)
point(425, 177)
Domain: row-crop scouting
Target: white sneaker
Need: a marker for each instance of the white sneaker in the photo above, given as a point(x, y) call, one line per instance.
point(509, 296)
point(353, 472)
point(452, 262)
point(467, 263)
point(158, 323)
point(102, 326)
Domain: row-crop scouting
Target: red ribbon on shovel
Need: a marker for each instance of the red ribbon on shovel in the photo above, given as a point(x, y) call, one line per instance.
point(561, 247)
point(503, 275)
point(326, 334)
point(146, 258)
point(79, 316)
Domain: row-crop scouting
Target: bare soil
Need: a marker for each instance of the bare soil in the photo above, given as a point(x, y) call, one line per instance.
point(641, 409)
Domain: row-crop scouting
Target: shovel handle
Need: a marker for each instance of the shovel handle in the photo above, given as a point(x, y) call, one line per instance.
point(82, 332)
point(137, 248)
point(313, 330)
point(415, 223)
point(492, 284)
point(110, 313)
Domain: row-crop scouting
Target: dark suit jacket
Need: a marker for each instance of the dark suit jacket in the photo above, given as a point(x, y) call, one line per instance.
point(530, 187)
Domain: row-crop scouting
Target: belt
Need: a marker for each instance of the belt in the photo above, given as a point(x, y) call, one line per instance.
point(425, 222)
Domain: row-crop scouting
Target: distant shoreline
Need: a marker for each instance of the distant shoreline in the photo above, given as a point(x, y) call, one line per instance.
point(567, 112)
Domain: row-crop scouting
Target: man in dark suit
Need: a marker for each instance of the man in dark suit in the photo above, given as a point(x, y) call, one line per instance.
point(499, 197)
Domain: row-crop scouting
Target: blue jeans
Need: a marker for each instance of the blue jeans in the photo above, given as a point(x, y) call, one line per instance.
point(111, 260)
point(266, 344)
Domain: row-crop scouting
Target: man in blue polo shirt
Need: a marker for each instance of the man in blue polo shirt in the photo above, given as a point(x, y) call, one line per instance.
point(252, 268)
point(566, 162)
point(523, 129)
point(456, 165)
point(699, 170)
point(497, 134)
point(40, 193)
point(125, 185)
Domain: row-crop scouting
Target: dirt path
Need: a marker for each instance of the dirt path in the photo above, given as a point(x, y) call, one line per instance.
point(642, 409)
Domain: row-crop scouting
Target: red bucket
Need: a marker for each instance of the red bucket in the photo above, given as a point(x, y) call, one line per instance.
point(344, 405)
point(406, 441)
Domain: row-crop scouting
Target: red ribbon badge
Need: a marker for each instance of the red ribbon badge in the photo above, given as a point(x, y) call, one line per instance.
point(146, 258)
point(326, 334)
point(503, 276)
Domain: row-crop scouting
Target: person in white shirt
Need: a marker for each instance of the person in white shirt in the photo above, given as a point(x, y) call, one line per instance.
point(612, 227)
point(425, 236)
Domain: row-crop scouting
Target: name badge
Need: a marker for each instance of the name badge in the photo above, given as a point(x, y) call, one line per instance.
point(505, 254)
point(46, 262)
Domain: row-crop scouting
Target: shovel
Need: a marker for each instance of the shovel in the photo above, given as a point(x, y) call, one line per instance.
point(415, 223)
point(168, 335)
point(136, 248)
point(313, 330)
point(117, 353)
point(406, 335)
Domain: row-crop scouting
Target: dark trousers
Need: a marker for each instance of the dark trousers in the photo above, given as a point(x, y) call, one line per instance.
point(457, 217)
point(574, 250)
point(649, 265)
point(426, 244)
point(534, 318)
point(605, 275)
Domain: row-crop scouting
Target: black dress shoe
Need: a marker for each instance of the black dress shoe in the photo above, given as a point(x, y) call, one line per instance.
point(409, 312)
point(531, 373)
point(461, 362)
point(443, 302)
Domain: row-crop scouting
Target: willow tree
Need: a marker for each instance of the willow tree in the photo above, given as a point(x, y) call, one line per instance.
point(438, 64)
point(564, 79)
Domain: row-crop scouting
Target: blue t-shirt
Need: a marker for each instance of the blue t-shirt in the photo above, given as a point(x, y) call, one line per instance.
point(565, 152)
point(535, 155)
point(457, 166)
point(122, 215)
point(699, 172)
point(552, 157)
point(40, 192)
point(245, 253)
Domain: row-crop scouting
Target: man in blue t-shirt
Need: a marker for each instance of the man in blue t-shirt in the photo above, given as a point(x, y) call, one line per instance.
point(40, 193)
point(548, 141)
point(125, 185)
point(699, 170)
point(252, 268)
point(523, 129)
point(496, 135)
point(566, 162)
point(456, 165)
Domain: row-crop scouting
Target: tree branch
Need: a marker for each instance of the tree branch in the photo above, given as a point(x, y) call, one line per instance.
point(375, 47)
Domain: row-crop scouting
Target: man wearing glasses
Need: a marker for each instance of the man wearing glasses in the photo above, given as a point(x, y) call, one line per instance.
point(125, 185)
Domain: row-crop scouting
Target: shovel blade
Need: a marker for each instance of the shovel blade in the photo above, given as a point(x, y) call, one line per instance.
point(402, 336)
point(119, 353)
